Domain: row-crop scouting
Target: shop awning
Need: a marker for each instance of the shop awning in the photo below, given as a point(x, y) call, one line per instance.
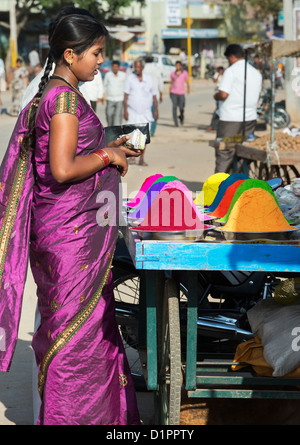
point(123, 36)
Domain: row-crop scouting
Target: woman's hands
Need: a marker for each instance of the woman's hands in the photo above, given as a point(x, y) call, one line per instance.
point(118, 154)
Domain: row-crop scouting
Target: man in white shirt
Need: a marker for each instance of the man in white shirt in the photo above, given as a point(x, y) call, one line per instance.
point(34, 58)
point(152, 69)
point(94, 90)
point(140, 94)
point(2, 82)
point(231, 97)
point(114, 82)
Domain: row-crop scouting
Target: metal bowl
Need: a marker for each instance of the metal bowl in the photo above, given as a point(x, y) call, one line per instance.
point(182, 235)
point(249, 236)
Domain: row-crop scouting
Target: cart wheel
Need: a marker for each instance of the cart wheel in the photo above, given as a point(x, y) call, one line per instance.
point(253, 169)
point(263, 172)
point(126, 294)
point(287, 172)
point(168, 396)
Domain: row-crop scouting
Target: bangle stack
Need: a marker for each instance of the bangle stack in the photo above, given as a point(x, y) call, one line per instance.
point(101, 154)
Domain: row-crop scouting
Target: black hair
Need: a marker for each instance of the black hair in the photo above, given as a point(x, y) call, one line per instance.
point(115, 62)
point(73, 28)
point(234, 50)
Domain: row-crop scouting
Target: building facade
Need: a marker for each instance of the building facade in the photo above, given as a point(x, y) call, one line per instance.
point(213, 26)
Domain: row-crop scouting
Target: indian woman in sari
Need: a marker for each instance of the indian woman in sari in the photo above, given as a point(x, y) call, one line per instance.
point(59, 186)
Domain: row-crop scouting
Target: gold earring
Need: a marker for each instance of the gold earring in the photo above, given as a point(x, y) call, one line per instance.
point(71, 57)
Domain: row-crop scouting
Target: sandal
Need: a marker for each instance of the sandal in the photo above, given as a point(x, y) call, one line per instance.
point(143, 164)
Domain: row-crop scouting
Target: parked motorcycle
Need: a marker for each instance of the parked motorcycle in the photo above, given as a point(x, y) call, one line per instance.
point(196, 68)
point(210, 71)
point(264, 111)
point(224, 297)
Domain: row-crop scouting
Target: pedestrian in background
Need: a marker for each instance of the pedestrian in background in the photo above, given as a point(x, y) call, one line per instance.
point(18, 80)
point(2, 82)
point(231, 97)
point(114, 83)
point(94, 90)
point(178, 87)
point(217, 80)
point(34, 58)
point(140, 94)
point(152, 69)
point(183, 59)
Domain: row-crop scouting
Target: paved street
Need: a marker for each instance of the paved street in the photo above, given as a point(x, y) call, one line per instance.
point(183, 152)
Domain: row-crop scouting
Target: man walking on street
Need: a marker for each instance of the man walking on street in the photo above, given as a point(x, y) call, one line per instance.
point(140, 94)
point(152, 69)
point(94, 90)
point(114, 82)
point(179, 78)
point(231, 105)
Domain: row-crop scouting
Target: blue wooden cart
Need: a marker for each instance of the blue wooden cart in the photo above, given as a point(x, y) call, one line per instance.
point(159, 296)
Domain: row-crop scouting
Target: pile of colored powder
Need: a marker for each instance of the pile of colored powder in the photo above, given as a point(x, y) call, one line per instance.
point(178, 185)
point(171, 210)
point(150, 194)
point(246, 185)
point(145, 186)
point(159, 187)
point(210, 189)
point(256, 211)
point(223, 207)
point(223, 187)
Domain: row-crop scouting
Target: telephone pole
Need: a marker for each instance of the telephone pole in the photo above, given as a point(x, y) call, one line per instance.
point(189, 21)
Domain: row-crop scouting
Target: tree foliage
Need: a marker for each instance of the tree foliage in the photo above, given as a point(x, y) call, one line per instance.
point(101, 10)
point(265, 8)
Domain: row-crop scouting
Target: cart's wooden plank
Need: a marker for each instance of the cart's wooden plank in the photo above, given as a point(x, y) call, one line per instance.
point(248, 152)
point(243, 394)
point(246, 380)
point(220, 145)
point(245, 151)
point(286, 158)
point(160, 255)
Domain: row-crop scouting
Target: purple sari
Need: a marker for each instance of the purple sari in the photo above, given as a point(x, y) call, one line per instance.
point(84, 376)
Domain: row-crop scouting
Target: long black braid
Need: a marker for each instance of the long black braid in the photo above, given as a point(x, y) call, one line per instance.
point(28, 142)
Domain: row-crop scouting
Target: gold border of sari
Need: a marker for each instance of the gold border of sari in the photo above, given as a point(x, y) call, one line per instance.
point(11, 209)
point(67, 334)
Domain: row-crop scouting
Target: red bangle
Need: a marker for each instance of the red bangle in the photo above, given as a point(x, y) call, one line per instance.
point(101, 154)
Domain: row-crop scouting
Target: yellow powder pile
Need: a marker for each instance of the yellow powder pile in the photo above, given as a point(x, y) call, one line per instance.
point(256, 211)
point(210, 189)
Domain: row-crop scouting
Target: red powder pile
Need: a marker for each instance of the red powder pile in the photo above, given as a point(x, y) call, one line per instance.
point(225, 202)
point(171, 210)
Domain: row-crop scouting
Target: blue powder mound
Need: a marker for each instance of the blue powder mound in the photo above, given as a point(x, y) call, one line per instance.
point(223, 187)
